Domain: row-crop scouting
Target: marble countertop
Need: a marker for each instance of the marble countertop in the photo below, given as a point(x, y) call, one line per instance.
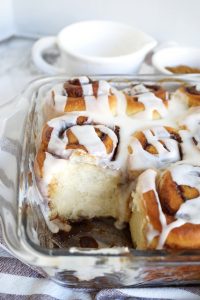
point(16, 67)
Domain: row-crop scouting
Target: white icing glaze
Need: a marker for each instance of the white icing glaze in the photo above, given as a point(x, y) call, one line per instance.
point(57, 98)
point(121, 102)
point(87, 89)
point(190, 151)
point(141, 159)
point(166, 230)
point(85, 134)
point(189, 211)
point(185, 174)
point(104, 88)
point(191, 119)
point(198, 87)
point(82, 79)
point(151, 233)
point(151, 103)
point(100, 104)
point(191, 137)
point(137, 89)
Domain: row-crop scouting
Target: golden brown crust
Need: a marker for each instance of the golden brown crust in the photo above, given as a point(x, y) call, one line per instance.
point(72, 141)
point(192, 95)
point(134, 106)
point(171, 197)
point(170, 194)
point(75, 97)
point(158, 91)
point(75, 104)
point(152, 210)
point(149, 147)
point(186, 236)
point(78, 104)
point(39, 162)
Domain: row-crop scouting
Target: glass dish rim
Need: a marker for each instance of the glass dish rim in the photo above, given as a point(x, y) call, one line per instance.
point(176, 255)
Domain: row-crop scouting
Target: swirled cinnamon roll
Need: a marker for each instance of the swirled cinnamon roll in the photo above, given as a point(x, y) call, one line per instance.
point(150, 100)
point(74, 173)
point(81, 94)
point(190, 94)
point(154, 147)
point(166, 208)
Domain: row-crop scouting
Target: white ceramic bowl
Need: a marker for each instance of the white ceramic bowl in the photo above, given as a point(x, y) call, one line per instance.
point(96, 47)
point(175, 56)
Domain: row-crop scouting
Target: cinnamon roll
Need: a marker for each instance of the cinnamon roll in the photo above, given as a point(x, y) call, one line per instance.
point(150, 100)
point(81, 94)
point(190, 94)
point(74, 170)
point(154, 147)
point(166, 208)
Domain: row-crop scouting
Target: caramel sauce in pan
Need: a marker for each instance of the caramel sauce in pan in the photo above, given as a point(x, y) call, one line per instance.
point(95, 233)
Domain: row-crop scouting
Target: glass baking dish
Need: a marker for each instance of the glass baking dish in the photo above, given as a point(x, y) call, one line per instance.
point(25, 231)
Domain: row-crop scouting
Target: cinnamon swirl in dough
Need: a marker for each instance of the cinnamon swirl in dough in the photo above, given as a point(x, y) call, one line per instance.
point(80, 94)
point(154, 147)
point(83, 94)
point(151, 101)
point(190, 94)
point(190, 134)
point(166, 207)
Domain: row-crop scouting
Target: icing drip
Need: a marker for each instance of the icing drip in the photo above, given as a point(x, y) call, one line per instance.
point(100, 104)
point(190, 145)
point(151, 103)
point(188, 212)
point(82, 79)
point(167, 149)
point(198, 87)
point(186, 175)
point(191, 119)
point(191, 137)
point(147, 182)
point(137, 89)
point(58, 96)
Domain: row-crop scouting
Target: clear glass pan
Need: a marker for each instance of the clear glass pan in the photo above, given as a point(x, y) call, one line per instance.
point(24, 229)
